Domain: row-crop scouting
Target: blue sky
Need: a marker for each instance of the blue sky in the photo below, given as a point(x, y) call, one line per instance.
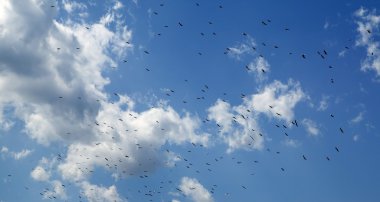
point(189, 100)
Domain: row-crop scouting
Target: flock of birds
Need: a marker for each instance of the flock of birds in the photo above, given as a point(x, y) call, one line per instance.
point(152, 191)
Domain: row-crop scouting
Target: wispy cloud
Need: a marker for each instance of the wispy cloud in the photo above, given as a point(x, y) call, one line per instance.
point(15, 155)
point(260, 67)
point(291, 143)
point(323, 104)
point(311, 127)
point(358, 118)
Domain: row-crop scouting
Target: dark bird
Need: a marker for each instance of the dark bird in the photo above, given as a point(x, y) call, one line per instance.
point(304, 157)
point(328, 158)
point(336, 148)
point(146, 52)
point(180, 24)
point(303, 56)
point(282, 169)
point(262, 22)
point(341, 130)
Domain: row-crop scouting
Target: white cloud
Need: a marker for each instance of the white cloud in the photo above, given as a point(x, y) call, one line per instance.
point(368, 27)
point(281, 97)
point(40, 174)
point(291, 143)
point(358, 118)
point(22, 154)
point(242, 49)
point(191, 187)
point(96, 193)
point(260, 67)
point(311, 127)
point(221, 113)
point(240, 135)
point(342, 53)
point(58, 93)
point(238, 124)
point(54, 67)
point(323, 104)
point(136, 135)
point(70, 6)
point(58, 191)
point(16, 155)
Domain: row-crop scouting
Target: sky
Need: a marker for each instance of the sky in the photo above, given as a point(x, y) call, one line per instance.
point(190, 101)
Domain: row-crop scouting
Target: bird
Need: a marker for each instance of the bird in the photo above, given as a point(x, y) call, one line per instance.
point(180, 24)
point(304, 157)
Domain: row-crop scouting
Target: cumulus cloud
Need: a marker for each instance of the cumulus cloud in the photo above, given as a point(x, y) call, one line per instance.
point(238, 124)
point(95, 193)
point(51, 77)
point(130, 141)
point(311, 127)
point(40, 174)
point(195, 190)
point(368, 27)
point(238, 127)
point(59, 60)
point(278, 99)
point(58, 191)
